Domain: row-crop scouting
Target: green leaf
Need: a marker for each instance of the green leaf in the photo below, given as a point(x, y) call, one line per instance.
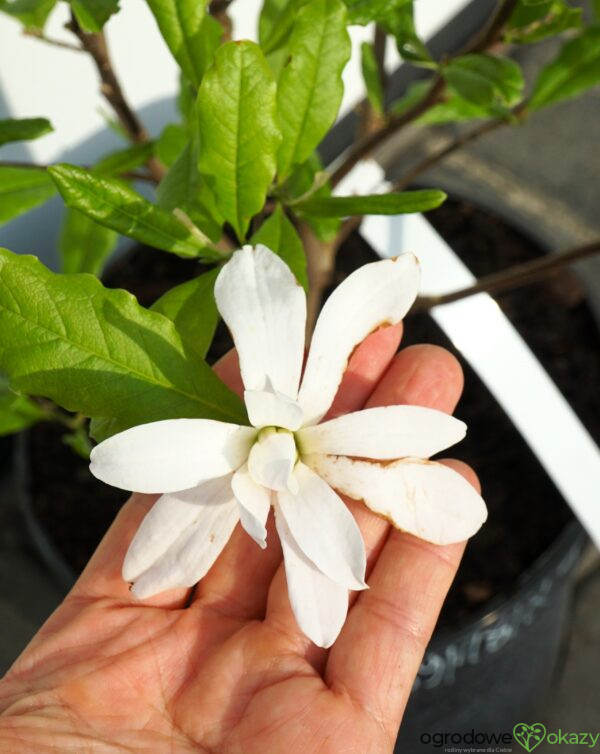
point(191, 34)
point(113, 204)
point(21, 189)
point(413, 95)
point(305, 180)
point(310, 87)
point(23, 129)
point(17, 412)
point(279, 235)
point(96, 351)
point(401, 24)
point(33, 14)
point(84, 245)
point(596, 8)
point(276, 21)
point(124, 160)
point(171, 143)
point(93, 14)
point(370, 72)
point(530, 24)
point(192, 308)
point(238, 131)
point(455, 109)
point(182, 188)
point(364, 11)
point(401, 203)
point(481, 78)
point(79, 442)
point(575, 69)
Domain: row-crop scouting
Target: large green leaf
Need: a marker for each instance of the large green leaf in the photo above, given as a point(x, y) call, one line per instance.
point(401, 24)
point(33, 14)
point(93, 14)
point(182, 188)
point(113, 204)
point(404, 202)
point(171, 143)
point(371, 76)
point(190, 32)
point(482, 78)
point(23, 129)
point(84, 245)
point(455, 109)
point(310, 88)
point(124, 160)
point(96, 351)
point(279, 234)
point(576, 69)
point(192, 308)
point(17, 412)
point(238, 130)
point(276, 21)
point(21, 189)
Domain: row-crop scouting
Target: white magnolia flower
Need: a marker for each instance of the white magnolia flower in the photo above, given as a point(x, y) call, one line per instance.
point(213, 474)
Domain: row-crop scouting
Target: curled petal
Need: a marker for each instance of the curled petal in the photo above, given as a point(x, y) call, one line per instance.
point(319, 604)
point(377, 294)
point(388, 432)
point(171, 455)
point(254, 501)
point(181, 537)
point(264, 308)
point(268, 408)
point(424, 498)
point(324, 529)
point(271, 461)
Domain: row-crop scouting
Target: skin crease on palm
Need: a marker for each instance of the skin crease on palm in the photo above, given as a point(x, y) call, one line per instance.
point(224, 669)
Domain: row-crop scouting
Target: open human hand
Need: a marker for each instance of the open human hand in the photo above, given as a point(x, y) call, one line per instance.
point(224, 668)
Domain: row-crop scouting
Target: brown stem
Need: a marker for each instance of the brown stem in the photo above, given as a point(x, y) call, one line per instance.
point(320, 261)
point(482, 41)
point(513, 277)
point(96, 46)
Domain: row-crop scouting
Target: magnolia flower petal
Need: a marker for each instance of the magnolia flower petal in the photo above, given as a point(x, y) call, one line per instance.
point(424, 498)
point(324, 529)
point(268, 408)
point(376, 294)
point(264, 307)
point(255, 502)
point(171, 455)
point(202, 520)
point(271, 461)
point(384, 433)
point(319, 604)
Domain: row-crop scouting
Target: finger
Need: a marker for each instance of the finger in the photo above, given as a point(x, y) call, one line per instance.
point(102, 576)
point(427, 375)
point(239, 582)
point(392, 623)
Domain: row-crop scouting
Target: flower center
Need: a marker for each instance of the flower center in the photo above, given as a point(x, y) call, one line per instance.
point(272, 459)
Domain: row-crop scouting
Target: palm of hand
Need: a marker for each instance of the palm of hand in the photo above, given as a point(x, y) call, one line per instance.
point(226, 669)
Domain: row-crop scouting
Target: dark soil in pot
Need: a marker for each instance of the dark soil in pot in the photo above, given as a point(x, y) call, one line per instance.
point(526, 512)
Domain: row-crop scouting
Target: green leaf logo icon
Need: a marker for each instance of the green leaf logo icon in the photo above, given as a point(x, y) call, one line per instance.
point(529, 736)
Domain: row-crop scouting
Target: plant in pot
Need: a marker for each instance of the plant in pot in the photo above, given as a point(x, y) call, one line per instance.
point(242, 167)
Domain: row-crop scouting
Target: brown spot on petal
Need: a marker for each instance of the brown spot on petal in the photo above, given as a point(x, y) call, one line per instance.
point(211, 538)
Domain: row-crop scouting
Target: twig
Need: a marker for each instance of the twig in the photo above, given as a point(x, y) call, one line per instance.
point(513, 277)
point(95, 45)
point(38, 34)
point(18, 164)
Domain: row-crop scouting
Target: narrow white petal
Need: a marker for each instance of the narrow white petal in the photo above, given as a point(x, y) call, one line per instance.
point(426, 499)
point(188, 558)
point(172, 517)
point(268, 408)
point(377, 294)
point(255, 502)
point(272, 459)
point(324, 529)
point(319, 604)
point(171, 455)
point(384, 433)
point(264, 308)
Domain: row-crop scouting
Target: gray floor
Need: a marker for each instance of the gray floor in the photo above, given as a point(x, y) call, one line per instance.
point(545, 173)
